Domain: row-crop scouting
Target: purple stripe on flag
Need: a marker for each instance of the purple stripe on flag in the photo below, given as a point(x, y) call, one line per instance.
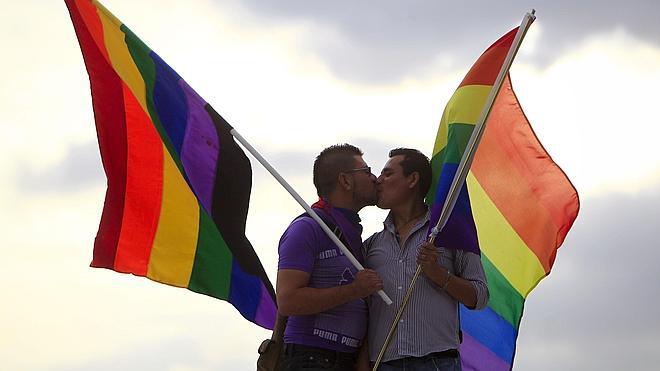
point(460, 232)
point(475, 356)
point(266, 311)
point(199, 152)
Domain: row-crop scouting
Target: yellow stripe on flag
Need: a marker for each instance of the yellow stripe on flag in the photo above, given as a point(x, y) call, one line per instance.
point(121, 59)
point(500, 242)
point(175, 244)
point(464, 107)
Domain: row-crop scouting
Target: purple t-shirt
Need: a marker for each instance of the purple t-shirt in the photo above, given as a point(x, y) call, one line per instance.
point(305, 247)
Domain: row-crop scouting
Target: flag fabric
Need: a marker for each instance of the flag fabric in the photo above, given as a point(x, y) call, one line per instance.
point(178, 184)
point(515, 209)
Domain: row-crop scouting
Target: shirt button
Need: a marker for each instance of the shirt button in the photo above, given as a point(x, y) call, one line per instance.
point(399, 287)
point(400, 260)
point(401, 321)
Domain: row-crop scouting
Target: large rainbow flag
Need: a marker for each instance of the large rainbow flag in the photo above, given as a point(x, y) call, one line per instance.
point(515, 209)
point(178, 184)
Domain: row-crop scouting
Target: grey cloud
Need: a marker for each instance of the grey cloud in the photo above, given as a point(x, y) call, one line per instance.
point(598, 308)
point(288, 164)
point(80, 168)
point(384, 41)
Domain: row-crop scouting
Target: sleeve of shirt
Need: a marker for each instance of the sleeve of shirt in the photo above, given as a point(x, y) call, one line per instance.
point(366, 245)
point(470, 268)
point(297, 249)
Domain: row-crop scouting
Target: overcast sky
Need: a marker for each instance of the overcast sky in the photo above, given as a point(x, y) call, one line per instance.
point(294, 77)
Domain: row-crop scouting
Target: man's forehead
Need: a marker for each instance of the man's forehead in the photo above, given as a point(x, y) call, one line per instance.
point(359, 161)
point(394, 162)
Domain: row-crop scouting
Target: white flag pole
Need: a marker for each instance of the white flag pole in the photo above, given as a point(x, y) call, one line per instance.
point(308, 209)
point(463, 167)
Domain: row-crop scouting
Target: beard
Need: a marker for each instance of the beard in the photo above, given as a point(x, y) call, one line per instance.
point(365, 198)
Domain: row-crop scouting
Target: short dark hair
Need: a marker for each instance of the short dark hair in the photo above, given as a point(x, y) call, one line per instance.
point(414, 160)
point(329, 163)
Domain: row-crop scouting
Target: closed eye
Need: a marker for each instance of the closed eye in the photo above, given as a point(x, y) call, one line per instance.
point(385, 173)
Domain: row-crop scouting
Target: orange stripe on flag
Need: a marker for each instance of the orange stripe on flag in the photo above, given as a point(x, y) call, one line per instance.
point(509, 146)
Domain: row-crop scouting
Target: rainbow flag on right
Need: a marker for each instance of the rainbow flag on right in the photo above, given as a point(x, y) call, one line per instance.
point(515, 209)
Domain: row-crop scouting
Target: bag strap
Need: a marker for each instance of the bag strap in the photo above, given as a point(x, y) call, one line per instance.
point(278, 329)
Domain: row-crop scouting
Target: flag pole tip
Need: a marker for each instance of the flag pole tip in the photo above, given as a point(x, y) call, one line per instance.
point(532, 15)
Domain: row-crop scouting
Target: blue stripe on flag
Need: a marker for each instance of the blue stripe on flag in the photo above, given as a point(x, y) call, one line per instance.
point(491, 330)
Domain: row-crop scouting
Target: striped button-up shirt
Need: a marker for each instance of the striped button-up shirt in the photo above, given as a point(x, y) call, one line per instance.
point(430, 322)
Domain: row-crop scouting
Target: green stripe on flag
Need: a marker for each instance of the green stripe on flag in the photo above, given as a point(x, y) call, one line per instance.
point(211, 272)
point(459, 136)
point(504, 299)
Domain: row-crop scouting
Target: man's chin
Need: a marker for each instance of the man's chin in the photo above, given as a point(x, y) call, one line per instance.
point(382, 205)
point(369, 202)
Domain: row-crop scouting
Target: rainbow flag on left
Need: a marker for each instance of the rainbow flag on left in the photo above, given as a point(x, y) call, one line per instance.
point(178, 184)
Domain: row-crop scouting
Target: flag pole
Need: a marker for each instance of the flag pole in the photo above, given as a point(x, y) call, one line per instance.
point(308, 209)
point(463, 168)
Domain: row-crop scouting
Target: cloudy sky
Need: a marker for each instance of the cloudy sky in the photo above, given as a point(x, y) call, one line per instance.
point(294, 77)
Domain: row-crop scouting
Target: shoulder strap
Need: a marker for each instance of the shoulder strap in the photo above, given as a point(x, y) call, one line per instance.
point(278, 329)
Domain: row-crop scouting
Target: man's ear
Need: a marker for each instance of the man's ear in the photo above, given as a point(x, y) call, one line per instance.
point(345, 181)
point(413, 179)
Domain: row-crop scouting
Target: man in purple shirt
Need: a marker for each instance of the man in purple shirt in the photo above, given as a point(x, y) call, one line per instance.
point(317, 287)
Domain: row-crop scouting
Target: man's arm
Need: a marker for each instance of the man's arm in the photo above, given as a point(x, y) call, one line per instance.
point(294, 297)
point(461, 289)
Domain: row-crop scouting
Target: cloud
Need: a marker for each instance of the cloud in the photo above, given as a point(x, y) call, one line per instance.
point(80, 168)
point(600, 299)
point(382, 42)
point(169, 354)
point(184, 352)
point(592, 110)
point(64, 315)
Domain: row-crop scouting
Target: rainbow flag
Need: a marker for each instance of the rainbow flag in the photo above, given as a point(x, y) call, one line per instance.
point(515, 209)
point(178, 184)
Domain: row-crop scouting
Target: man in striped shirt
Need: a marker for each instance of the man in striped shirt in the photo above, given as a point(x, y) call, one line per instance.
point(428, 333)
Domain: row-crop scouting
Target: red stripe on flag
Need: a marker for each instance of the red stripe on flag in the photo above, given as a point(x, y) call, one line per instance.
point(488, 66)
point(144, 189)
point(107, 100)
